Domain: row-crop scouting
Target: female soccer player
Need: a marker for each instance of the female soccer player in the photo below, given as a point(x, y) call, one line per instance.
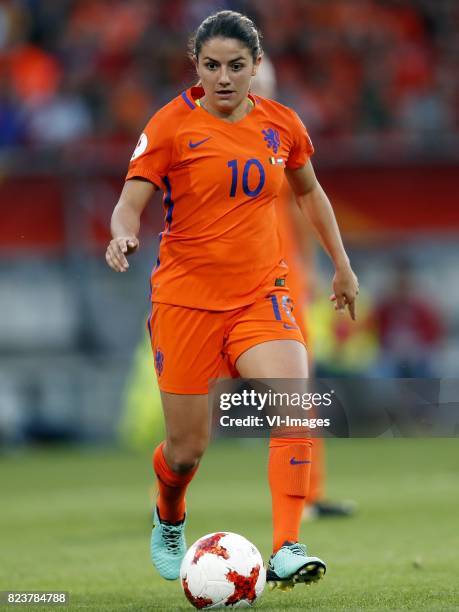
point(219, 288)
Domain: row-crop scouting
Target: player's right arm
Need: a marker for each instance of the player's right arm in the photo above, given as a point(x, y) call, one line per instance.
point(149, 164)
point(125, 223)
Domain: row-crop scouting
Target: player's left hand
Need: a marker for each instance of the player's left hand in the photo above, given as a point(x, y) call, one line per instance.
point(345, 290)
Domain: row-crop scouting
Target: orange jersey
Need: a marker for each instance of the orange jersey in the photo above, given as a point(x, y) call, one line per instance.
point(291, 250)
point(220, 248)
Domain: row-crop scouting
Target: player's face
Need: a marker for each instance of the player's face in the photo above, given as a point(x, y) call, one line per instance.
point(225, 67)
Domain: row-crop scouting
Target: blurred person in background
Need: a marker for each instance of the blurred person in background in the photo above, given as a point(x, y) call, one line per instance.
point(226, 53)
point(112, 55)
point(297, 246)
point(409, 326)
point(342, 348)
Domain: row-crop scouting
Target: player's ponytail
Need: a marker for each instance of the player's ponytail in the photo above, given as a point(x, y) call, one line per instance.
point(226, 24)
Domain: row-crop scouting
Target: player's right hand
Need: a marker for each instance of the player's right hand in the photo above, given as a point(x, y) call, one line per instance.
point(118, 250)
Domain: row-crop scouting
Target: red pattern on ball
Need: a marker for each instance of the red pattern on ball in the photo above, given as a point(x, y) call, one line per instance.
point(197, 602)
point(211, 546)
point(244, 586)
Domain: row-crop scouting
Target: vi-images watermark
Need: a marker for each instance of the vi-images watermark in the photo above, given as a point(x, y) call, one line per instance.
point(273, 399)
point(338, 407)
point(275, 406)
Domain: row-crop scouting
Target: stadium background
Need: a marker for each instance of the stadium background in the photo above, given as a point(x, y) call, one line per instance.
point(377, 85)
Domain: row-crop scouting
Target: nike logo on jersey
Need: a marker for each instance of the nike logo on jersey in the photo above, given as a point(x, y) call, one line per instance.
point(293, 461)
point(193, 145)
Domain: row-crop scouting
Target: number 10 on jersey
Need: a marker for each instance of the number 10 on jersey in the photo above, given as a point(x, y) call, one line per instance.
point(252, 193)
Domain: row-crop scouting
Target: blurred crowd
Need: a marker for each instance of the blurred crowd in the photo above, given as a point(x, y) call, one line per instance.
point(97, 69)
point(400, 331)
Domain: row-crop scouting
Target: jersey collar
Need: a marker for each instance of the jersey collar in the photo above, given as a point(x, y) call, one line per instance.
point(195, 93)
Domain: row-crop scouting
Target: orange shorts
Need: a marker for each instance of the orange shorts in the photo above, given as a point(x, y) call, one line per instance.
point(190, 346)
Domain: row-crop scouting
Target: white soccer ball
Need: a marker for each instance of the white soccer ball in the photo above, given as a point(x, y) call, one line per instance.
point(222, 570)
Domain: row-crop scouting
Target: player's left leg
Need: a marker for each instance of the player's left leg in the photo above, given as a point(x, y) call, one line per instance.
point(289, 468)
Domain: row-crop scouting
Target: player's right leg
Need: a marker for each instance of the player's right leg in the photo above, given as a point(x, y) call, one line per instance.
point(175, 462)
point(186, 347)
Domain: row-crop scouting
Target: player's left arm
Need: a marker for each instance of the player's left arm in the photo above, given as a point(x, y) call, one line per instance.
point(316, 206)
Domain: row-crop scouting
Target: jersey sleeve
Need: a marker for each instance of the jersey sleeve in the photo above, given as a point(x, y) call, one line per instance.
point(302, 148)
point(152, 156)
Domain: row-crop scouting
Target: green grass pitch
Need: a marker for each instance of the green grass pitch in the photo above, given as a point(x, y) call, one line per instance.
point(79, 521)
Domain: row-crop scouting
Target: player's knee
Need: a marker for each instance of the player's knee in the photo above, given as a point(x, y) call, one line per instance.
point(185, 462)
point(186, 457)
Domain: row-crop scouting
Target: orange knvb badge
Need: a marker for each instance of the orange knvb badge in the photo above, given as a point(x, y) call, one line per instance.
point(159, 361)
